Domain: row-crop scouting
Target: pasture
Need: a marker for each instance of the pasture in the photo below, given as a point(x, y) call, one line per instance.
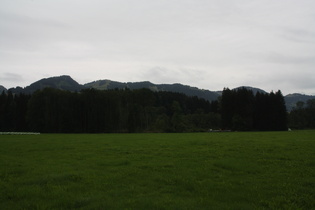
point(233, 170)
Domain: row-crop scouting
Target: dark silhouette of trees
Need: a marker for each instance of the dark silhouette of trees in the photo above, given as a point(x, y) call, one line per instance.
point(303, 116)
point(270, 112)
point(13, 110)
point(142, 110)
point(237, 109)
point(241, 110)
point(95, 111)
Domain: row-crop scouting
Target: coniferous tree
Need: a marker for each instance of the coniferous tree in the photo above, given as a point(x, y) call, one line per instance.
point(241, 110)
point(3, 101)
point(227, 108)
point(303, 117)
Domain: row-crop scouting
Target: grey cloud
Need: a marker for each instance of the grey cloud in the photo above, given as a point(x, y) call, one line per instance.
point(300, 35)
point(282, 57)
point(7, 78)
point(25, 33)
point(296, 82)
point(289, 59)
point(209, 44)
point(7, 18)
point(11, 77)
point(161, 75)
point(188, 76)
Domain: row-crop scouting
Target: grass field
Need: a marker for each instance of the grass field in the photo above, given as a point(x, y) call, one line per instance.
point(235, 170)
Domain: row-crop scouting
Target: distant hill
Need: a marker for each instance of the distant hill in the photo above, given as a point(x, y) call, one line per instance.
point(255, 90)
point(292, 99)
point(2, 89)
point(61, 82)
point(179, 88)
point(67, 83)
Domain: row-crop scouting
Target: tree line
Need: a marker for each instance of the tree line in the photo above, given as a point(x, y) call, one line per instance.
point(96, 111)
point(123, 110)
point(303, 116)
point(242, 110)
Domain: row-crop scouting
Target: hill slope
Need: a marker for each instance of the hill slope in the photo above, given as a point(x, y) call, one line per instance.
point(2, 89)
point(292, 99)
point(179, 88)
point(61, 82)
point(255, 90)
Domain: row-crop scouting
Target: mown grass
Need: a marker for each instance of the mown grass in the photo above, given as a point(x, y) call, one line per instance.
point(266, 170)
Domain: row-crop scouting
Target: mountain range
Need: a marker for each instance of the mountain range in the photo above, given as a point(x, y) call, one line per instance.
point(67, 83)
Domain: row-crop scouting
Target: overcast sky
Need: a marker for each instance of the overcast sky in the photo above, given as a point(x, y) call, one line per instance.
point(209, 44)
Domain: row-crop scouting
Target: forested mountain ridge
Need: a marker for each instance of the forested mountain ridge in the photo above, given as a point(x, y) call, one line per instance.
point(2, 89)
point(179, 88)
point(67, 83)
point(292, 99)
point(61, 83)
point(253, 89)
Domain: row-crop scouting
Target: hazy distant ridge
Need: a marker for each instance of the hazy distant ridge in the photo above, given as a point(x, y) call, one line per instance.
point(188, 90)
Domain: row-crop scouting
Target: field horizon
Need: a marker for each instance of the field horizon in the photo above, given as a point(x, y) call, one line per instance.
point(219, 170)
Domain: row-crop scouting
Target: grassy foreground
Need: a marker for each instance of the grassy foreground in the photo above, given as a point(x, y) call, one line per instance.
point(266, 170)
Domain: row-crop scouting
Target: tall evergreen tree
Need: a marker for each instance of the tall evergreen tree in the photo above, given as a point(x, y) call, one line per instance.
point(227, 108)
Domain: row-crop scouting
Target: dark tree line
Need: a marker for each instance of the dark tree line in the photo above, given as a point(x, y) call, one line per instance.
point(96, 111)
point(303, 116)
point(142, 110)
point(242, 110)
point(13, 111)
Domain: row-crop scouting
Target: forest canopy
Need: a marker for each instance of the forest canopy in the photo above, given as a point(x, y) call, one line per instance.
point(142, 110)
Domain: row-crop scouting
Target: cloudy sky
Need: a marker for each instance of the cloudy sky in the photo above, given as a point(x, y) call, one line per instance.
point(209, 44)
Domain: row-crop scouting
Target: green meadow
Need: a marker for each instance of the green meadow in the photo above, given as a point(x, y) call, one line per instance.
point(227, 170)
